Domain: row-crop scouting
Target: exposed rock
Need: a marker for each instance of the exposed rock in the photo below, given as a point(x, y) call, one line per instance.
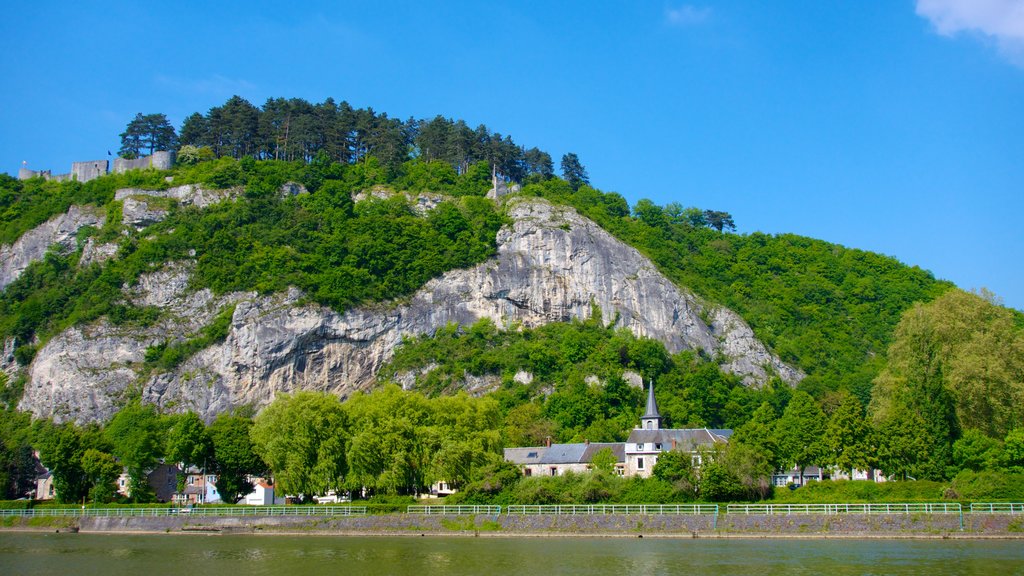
point(292, 189)
point(634, 379)
point(138, 213)
point(60, 230)
point(97, 253)
point(523, 377)
point(187, 194)
point(421, 203)
point(551, 265)
point(8, 364)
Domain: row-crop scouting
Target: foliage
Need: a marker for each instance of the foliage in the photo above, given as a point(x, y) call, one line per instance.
point(234, 456)
point(798, 432)
point(988, 486)
point(147, 134)
point(188, 441)
point(831, 491)
point(101, 471)
point(303, 438)
point(827, 309)
point(676, 468)
point(136, 434)
point(961, 357)
point(573, 171)
point(848, 442)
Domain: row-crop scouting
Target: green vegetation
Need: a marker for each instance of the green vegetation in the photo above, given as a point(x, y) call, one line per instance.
point(582, 363)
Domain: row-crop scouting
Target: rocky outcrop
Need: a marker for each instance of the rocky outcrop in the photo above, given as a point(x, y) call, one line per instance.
point(551, 265)
point(60, 231)
point(186, 195)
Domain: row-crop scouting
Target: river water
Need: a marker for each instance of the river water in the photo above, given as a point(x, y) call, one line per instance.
point(238, 555)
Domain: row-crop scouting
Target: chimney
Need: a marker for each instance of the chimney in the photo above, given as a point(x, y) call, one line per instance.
point(673, 443)
point(547, 441)
point(586, 441)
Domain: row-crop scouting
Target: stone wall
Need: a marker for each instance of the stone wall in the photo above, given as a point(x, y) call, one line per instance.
point(89, 170)
point(619, 525)
point(158, 160)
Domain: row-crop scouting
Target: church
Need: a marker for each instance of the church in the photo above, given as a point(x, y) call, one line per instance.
point(636, 457)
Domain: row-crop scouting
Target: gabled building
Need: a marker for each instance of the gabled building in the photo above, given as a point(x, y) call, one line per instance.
point(557, 459)
point(649, 440)
point(635, 457)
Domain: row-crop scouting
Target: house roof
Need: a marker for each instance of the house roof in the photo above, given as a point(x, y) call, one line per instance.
point(527, 455)
point(578, 453)
point(683, 438)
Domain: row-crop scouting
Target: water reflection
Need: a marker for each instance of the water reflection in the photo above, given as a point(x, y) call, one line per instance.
point(112, 555)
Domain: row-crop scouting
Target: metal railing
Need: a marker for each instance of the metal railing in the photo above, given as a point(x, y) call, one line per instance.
point(454, 510)
point(997, 508)
point(591, 509)
point(865, 508)
point(198, 511)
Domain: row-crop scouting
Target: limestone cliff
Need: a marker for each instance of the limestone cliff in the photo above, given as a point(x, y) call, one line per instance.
point(58, 231)
point(550, 266)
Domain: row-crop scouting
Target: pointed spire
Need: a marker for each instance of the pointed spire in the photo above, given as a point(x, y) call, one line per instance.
point(651, 420)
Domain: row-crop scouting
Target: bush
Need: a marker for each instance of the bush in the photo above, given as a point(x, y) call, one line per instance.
point(830, 491)
point(987, 486)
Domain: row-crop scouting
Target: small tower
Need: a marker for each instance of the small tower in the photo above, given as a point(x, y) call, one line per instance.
point(651, 420)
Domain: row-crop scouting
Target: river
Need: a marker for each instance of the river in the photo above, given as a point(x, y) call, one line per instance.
point(243, 555)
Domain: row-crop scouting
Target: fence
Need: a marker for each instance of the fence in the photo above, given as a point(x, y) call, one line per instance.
point(441, 510)
point(997, 508)
point(211, 511)
point(590, 509)
point(908, 508)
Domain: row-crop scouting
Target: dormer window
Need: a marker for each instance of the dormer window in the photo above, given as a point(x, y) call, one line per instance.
point(640, 447)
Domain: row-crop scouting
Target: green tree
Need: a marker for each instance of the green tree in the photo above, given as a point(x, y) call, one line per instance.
point(847, 442)
point(759, 433)
point(188, 441)
point(136, 434)
point(101, 472)
point(976, 451)
point(573, 171)
point(61, 451)
point(1013, 451)
point(719, 220)
point(676, 468)
point(798, 432)
point(147, 134)
point(303, 438)
point(235, 457)
point(604, 461)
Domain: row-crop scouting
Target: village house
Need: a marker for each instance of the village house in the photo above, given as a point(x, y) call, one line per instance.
point(635, 457)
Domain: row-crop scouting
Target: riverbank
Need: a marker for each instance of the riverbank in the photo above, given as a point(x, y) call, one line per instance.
point(924, 526)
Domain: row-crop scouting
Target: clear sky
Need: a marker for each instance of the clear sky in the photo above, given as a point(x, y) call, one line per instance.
point(894, 126)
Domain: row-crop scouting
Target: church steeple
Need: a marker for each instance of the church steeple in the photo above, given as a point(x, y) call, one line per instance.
point(651, 420)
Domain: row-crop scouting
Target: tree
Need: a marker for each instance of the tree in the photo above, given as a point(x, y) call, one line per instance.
point(759, 434)
point(136, 434)
point(188, 441)
point(101, 472)
point(719, 220)
point(303, 438)
point(234, 456)
point(573, 171)
point(1013, 451)
point(676, 468)
point(976, 451)
point(798, 432)
point(61, 451)
point(147, 134)
point(604, 461)
point(847, 440)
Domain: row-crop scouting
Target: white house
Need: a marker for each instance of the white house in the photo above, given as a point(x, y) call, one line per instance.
point(262, 494)
point(635, 457)
point(649, 440)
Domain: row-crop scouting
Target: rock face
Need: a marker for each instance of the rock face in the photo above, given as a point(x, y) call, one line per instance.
point(32, 245)
point(187, 194)
point(551, 266)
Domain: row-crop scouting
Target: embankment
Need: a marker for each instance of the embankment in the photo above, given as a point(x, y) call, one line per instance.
point(623, 525)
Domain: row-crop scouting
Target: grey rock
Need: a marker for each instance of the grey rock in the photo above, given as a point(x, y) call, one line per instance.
point(186, 195)
point(138, 213)
point(60, 230)
point(551, 265)
point(93, 253)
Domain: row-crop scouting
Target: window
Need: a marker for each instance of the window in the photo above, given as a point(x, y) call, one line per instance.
point(640, 447)
point(527, 472)
point(554, 471)
point(657, 446)
point(531, 454)
point(639, 463)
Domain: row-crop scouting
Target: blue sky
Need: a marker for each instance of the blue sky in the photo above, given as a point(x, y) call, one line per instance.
point(893, 126)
